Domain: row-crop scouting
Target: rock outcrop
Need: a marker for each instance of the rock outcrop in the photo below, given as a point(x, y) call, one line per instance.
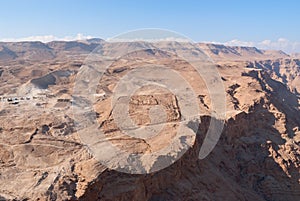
point(42, 157)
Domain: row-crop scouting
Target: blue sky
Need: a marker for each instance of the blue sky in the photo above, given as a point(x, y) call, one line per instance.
point(256, 22)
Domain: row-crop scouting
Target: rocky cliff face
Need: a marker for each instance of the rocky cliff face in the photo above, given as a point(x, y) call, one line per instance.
point(43, 158)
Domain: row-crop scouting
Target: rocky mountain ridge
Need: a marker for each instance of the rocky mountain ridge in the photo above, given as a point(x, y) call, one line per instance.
point(29, 50)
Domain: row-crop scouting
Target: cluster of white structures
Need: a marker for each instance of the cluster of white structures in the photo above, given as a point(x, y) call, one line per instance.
point(17, 99)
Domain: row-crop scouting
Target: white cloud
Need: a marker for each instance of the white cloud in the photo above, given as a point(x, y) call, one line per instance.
point(47, 38)
point(236, 42)
point(280, 44)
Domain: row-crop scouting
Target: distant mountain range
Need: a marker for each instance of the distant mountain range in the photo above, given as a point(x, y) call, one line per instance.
point(44, 51)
